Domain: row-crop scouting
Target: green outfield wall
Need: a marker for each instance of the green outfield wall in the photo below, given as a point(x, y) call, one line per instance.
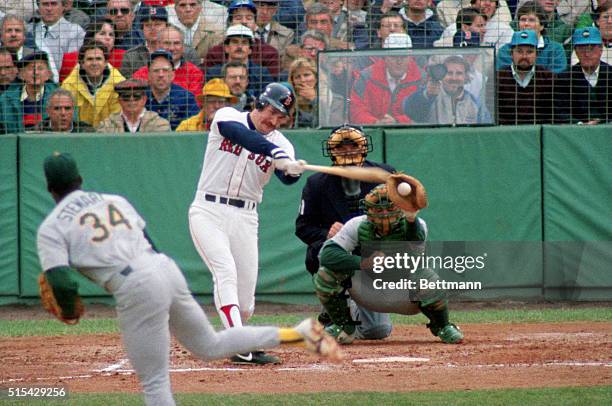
point(9, 230)
point(535, 199)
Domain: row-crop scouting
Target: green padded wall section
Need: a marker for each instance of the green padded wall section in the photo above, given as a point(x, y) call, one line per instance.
point(484, 186)
point(578, 212)
point(158, 174)
point(9, 248)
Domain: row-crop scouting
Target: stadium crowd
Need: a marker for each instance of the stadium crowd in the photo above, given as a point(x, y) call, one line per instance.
point(161, 65)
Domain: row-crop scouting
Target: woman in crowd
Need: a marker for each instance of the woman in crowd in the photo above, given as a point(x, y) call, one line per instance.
point(303, 79)
point(102, 31)
point(551, 55)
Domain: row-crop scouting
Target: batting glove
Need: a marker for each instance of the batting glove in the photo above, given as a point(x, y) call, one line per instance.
point(281, 159)
point(295, 168)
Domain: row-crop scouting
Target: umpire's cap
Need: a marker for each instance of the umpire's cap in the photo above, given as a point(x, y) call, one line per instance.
point(278, 96)
point(60, 170)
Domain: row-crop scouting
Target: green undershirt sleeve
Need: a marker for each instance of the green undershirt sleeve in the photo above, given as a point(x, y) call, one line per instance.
point(65, 288)
point(335, 258)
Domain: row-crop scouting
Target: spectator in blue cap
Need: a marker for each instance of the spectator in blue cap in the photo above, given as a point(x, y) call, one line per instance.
point(525, 93)
point(550, 54)
point(169, 100)
point(154, 19)
point(23, 105)
point(586, 89)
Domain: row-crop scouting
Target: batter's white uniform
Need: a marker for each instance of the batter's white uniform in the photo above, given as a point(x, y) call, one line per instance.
point(102, 237)
point(223, 217)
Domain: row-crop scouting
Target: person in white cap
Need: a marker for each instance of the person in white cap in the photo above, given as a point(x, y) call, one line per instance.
point(238, 46)
point(378, 92)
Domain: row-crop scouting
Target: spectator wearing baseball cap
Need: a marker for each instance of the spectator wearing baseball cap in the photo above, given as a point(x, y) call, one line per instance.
point(244, 12)
point(133, 117)
point(550, 54)
point(153, 21)
point(379, 90)
point(525, 92)
point(92, 83)
point(598, 16)
point(215, 95)
point(169, 100)
point(187, 75)
point(586, 89)
point(238, 47)
point(23, 105)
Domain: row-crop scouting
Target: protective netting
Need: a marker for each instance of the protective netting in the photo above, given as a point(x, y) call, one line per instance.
point(370, 62)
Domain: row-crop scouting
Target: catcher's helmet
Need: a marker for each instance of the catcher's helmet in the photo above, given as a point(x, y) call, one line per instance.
point(381, 210)
point(278, 96)
point(347, 145)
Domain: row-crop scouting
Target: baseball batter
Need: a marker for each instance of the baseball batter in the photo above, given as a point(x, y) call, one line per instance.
point(244, 149)
point(383, 222)
point(103, 237)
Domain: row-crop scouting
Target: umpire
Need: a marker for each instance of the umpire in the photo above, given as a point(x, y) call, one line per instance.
point(328, 202)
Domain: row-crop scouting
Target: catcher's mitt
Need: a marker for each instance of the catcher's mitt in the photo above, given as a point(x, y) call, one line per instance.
point(415, 201)
point(49, 302)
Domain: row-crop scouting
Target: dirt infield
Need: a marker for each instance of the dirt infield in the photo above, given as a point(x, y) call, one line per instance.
point(493, 356)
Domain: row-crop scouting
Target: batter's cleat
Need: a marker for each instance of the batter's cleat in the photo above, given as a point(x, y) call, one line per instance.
point(341, 334)
point(318, 341)
point(450, 334)
point(254, 358)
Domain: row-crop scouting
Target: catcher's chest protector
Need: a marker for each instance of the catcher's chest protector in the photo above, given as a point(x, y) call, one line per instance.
point(367, 232)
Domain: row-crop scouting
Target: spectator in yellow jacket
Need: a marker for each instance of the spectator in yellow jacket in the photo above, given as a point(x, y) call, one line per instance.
point(92, 83)
point(215, 95)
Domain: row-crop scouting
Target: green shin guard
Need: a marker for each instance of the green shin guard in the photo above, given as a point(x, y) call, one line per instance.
point(329, 290)
point(439, 325)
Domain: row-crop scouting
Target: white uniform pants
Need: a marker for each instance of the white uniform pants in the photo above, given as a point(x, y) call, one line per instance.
point(226, 239)
point(154, 301)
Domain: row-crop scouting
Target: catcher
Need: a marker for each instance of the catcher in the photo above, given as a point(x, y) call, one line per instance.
point(328, 202)
point(389, 218)
point(103, 237)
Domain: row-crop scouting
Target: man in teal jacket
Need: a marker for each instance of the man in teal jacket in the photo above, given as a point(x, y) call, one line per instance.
point(23, 105)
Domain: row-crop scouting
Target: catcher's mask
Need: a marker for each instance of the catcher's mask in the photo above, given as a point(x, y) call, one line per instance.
point(347, 145)
point(381, 211)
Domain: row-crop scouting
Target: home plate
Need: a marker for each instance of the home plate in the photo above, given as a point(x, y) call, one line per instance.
point(389, 359)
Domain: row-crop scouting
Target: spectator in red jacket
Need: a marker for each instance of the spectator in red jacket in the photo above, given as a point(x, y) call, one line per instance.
point(99, 30)
point(379, 90)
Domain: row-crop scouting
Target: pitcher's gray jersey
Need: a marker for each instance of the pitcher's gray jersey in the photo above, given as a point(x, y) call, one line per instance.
point(92, 232)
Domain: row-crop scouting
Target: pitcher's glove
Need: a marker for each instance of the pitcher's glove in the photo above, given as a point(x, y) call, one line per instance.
point(71, 311)
point(415, 201)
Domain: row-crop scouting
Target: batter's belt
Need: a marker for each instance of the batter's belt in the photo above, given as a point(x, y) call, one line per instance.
point(239, 203)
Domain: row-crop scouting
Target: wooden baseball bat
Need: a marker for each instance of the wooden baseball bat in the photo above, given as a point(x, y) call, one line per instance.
point(369, 174)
